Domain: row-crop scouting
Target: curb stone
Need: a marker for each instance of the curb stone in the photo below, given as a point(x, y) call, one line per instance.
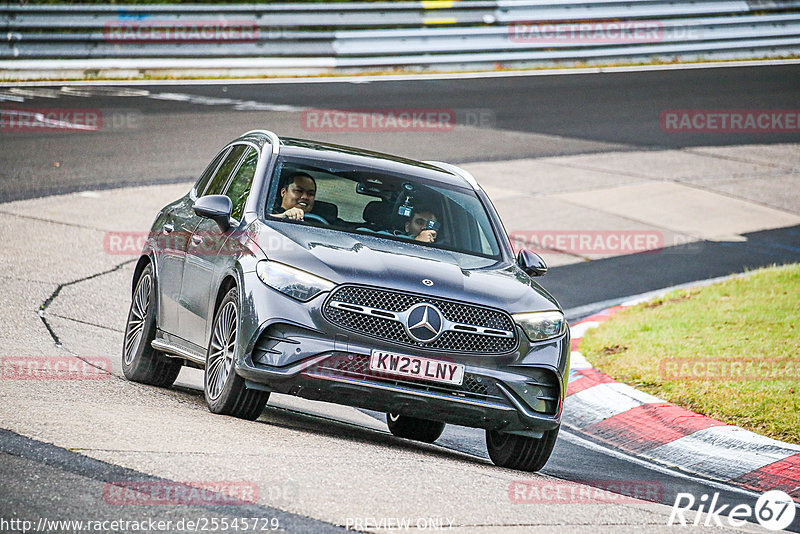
point(645, 426)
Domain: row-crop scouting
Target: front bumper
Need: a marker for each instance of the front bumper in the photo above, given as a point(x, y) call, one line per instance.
point(290, 347)
point(513, 398)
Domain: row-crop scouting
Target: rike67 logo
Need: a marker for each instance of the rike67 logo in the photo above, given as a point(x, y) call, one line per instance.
point(774, 510)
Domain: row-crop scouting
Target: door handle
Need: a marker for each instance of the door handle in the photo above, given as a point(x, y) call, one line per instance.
point(168, 228)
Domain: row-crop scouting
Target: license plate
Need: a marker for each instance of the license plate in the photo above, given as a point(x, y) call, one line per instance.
point(414, 366)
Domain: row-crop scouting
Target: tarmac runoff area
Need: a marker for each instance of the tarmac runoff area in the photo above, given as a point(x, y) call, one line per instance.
point(315, 459)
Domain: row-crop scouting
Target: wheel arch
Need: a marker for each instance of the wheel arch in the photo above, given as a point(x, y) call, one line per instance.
point(143, 262)
point(228, 282)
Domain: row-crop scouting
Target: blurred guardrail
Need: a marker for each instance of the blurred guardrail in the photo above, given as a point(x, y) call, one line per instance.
point(434, 34)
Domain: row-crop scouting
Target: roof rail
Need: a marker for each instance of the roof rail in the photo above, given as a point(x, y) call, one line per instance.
point(273, 139)
point(457, 171)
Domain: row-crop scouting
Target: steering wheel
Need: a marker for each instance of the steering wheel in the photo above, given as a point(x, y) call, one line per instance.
point(315, 217)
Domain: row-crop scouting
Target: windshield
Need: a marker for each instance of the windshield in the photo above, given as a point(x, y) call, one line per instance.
point(362, 200)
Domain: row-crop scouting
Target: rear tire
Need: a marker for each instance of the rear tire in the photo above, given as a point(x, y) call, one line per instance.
point(414, 428)
point(140, 361)
point(224, 390)
point(520, 452)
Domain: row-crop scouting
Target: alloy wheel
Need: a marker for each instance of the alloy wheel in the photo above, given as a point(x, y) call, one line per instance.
point(137, 317)
point(223, 346)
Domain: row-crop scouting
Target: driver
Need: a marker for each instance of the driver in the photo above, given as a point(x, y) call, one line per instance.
point(423, 224)
point(297, 198)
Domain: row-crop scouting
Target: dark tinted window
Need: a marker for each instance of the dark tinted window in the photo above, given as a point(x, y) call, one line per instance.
point(217, 185)
point(242, 182)
point(208, 173)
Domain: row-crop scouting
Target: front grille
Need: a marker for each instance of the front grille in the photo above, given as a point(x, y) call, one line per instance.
point(393, 330)
point(357, 366)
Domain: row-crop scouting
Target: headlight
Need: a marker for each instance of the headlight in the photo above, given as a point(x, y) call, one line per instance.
point(539, 326)
point(297, 284)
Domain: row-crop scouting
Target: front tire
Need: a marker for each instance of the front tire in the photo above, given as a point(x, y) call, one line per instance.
point(224, 390)
point(140, 361)
point(414, 428)
point(520, 452)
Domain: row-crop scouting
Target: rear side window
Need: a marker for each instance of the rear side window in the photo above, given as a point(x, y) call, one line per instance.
point(201, 184)
point(242, 183)
point(217, 184)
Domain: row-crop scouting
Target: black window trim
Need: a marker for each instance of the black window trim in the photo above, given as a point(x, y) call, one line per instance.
point(236, 170)
point(239, 164)
point(233, 171)
point(224, 153)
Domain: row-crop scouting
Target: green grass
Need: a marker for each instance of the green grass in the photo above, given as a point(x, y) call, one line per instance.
point(748, 321)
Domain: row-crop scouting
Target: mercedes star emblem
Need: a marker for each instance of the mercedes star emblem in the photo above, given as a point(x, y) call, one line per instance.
point(424, 323)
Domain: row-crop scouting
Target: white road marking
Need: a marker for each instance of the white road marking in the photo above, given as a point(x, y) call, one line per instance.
point(35, 92)
point(20, 94)
point(5, 97)
point(579, 330)
point(585, 443)
point(88, 91)
point(602, 401)
point(38, 120)
point(724, 452)
point(578, 361)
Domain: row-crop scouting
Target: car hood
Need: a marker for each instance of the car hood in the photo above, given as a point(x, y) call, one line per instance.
point(363, 259)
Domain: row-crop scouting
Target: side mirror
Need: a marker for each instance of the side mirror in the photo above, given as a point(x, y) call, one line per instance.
point(531, 263)
point(218, 208)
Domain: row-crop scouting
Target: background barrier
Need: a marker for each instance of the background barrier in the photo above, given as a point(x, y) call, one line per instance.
point(437, 35)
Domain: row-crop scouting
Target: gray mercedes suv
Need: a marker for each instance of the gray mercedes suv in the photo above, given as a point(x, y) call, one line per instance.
point(348, 276)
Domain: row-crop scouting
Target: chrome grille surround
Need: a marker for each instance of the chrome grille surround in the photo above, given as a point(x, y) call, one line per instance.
point(383, 314)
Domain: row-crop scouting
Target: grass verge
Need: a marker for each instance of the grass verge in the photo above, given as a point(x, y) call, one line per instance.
point(730, 351)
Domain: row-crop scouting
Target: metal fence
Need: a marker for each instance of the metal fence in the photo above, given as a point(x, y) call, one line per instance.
point(435, 34)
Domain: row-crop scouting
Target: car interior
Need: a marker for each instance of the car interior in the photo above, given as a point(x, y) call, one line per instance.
point(363, 201)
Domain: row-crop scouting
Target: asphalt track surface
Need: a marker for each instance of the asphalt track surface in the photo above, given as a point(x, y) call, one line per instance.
point(527, 117)
point(55, 483)
point(170, 134)
point(167, 137)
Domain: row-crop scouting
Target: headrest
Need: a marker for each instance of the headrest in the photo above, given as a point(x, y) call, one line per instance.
point(326, 210)
point(377, 212)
